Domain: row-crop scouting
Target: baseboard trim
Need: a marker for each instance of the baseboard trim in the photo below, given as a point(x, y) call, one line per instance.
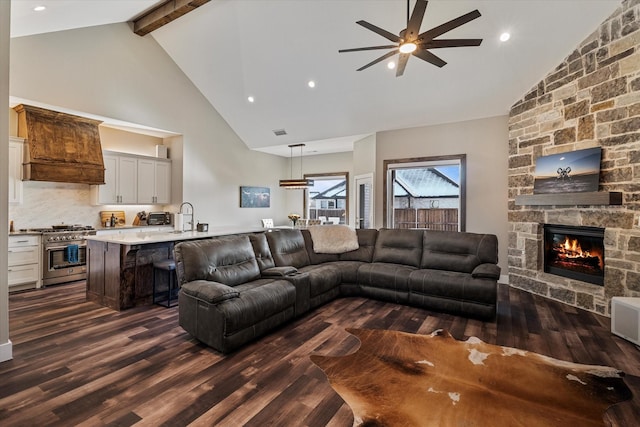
point(504, 279)
point(6, 351)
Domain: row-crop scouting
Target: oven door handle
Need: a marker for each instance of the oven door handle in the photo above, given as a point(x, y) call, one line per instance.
point(55, 248)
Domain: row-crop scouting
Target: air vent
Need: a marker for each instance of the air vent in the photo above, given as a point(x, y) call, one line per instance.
point(280, 132)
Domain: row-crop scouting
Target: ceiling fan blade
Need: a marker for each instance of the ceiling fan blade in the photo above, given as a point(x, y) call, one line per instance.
point(448, 26)
point(358, 49)
point(435, 44)
point(384, 33)
point(402, 63)
point(382, 58)
point(425, 55)
point(413, 26)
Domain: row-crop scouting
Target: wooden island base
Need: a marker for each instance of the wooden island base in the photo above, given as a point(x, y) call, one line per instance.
point(121, 276)
point(120, 266)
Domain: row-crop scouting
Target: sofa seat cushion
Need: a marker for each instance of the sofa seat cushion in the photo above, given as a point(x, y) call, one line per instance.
point(394, 277)
point(452, 285)
point(257, 300)
point(322, 278)
point(348, 270)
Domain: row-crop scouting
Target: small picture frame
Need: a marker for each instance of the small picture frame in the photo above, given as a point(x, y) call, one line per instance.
point(255, 197)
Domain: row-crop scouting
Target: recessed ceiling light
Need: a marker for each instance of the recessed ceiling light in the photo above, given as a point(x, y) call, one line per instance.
point(311, 84)
point(39, 8)
point(251, 99)
point(391, 65)
point(504, 37)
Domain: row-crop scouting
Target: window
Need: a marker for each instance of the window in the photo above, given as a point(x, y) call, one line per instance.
point(328, 198)
point(426, 193)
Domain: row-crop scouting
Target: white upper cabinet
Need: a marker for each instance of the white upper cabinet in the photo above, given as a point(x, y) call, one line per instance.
point(134, 180)
point(120, 177)
point(15, 169)
point(154, 181)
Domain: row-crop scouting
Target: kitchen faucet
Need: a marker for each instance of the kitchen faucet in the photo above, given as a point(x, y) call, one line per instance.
point(192, 214)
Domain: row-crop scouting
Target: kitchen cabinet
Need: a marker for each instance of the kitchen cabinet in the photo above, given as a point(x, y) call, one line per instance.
point(120, 177)
point(15, 169)
point(24, 262)
point(154, 181)
point(134, 180)
point(103, 274)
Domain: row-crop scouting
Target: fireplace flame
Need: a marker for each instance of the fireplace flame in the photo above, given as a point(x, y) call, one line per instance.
point(570, 250)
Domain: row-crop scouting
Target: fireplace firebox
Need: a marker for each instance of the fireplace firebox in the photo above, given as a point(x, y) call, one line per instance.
point(574, 252)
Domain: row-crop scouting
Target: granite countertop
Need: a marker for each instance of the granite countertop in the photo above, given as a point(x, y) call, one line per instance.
point(141, 238)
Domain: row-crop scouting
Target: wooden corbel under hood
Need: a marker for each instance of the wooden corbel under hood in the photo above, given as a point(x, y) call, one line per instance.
point(60, 147)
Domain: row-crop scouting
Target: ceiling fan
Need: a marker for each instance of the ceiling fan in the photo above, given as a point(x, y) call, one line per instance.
point(411, 42)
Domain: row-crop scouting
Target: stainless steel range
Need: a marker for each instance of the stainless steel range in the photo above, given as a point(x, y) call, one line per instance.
point(64, 253)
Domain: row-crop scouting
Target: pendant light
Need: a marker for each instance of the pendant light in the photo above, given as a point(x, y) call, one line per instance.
point(295, 184)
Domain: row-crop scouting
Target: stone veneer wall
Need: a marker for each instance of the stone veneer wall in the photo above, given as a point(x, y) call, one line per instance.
point(591, 99)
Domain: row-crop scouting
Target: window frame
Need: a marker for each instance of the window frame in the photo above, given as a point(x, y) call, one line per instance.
point(314, 176)
point(423, 162)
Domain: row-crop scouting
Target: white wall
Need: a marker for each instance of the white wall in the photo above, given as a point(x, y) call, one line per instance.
point(5, 344)
point(109, 71)
point(364, 155)
point(485, 143)
point(321, 163)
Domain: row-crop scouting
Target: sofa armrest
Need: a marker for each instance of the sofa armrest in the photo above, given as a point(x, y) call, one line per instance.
point(278, 271)
point(486, 271)
point(211, 292)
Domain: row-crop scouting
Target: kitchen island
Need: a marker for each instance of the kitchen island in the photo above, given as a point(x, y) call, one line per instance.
point(120, 266)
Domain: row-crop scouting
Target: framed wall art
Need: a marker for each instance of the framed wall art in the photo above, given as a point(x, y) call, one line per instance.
point(570, 172)
point(255, 197)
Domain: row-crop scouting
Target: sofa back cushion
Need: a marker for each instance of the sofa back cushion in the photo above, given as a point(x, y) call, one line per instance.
point(398, 246)
point(367, 242)
point(457, 251)
point(261, 249)
point(227, 260)
point(315, 258)
point(287, 248)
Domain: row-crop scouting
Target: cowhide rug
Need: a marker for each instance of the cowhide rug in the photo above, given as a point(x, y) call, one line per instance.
point(402, 379)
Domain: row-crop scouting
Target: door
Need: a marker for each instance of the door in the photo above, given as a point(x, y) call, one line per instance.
point(364, 201)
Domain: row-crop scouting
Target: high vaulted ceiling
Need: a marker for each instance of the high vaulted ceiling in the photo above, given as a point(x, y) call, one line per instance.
point(270, 49)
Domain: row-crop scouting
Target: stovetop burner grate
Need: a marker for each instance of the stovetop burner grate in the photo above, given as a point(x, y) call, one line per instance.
point(61, 230)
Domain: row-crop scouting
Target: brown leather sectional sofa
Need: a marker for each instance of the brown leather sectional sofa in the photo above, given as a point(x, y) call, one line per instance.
point(237, 288)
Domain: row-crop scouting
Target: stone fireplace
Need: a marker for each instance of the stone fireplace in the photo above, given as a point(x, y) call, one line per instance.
point(591, 99)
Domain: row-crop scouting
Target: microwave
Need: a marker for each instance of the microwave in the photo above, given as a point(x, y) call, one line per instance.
point(159, 218)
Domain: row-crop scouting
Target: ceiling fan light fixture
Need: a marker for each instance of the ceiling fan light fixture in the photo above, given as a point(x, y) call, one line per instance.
point(408, 47)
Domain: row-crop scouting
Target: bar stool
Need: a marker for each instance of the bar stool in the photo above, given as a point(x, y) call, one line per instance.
point(164, 272)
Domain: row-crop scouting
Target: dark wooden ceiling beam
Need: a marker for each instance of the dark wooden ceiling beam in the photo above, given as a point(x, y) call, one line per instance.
point(163, 14)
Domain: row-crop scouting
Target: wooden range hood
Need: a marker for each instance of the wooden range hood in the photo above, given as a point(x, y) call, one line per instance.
point(60, 147)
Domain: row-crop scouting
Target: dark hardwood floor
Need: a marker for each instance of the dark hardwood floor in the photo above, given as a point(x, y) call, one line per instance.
point(76, 363)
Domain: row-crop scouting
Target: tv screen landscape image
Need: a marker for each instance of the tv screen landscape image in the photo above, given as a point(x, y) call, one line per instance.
point(570, 172)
